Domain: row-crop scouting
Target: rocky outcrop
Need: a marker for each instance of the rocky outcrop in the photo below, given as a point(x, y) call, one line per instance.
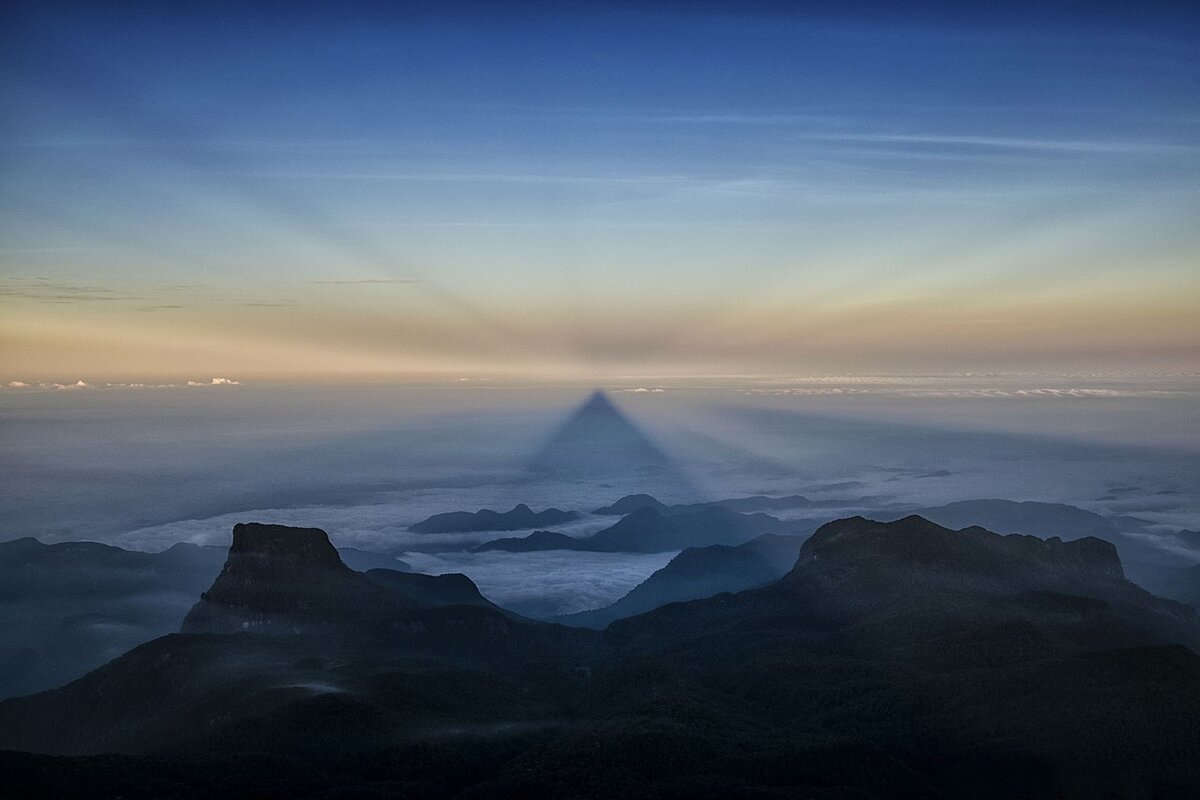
point(283, 580)
point(279, 579)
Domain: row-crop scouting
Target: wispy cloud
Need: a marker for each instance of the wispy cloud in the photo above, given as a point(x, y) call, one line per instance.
point(366, 281)
point(215, 382)
point(478, 177)
point(1026, 394)
point(45, 250)
point(48, 290)
point(731, 118)
point(80, 385)
point(1089, 146)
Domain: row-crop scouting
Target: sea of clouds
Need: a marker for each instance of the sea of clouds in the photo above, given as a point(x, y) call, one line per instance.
point(147, 469)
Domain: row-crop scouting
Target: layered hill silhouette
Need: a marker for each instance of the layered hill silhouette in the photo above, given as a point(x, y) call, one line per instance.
point(897, 659)
point(634, 502)
point(535, 542)
point(521, 517)
point(1182, 584)
point(599, 444)
point(69, 608)
point(700, 572)
point(1010, 516)
point(1144, 561)
point(648, 530)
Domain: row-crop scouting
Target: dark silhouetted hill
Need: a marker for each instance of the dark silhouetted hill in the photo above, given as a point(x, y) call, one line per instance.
point(453, 589)
point(1008, 516)
point(67, 608)
point(279, 579)
point(363, 560)
point(521, 517)
point(630, 503)
point(897, 659)
point(633, 502)
point(699, 572)
point(649, 531)
point(538, 540)
point(1182, 584)
point(1190, 539)
point(1144, 561)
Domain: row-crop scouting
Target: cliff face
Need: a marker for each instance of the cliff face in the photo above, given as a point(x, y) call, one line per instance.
point(278, 579)
point(282, 580)
point(300, 545)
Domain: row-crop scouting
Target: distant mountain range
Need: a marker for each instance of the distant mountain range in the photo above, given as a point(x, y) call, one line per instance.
point(70, 607)
point(1144, 561)
point(894, 659)
point(1182, 585)
point(1008, 516)
point(648, 530)
point(521, 517)
point(634, 502)
point(1191, 540)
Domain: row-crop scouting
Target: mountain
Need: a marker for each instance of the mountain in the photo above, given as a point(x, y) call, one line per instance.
point(1189, 539)
point(699, 572)
point(452, 589)
point(898, 659)
point(279, 579)
point(284, 625)
point(649, 531)
point(1008, 516)
point(1182, 584)
point(632, 502)
point(67, 608)
point(599, 444)
point(1144, 561)
point(779, 550)
point(912, 581)
point(363, 560)
point(520, 518)
point(538, 540)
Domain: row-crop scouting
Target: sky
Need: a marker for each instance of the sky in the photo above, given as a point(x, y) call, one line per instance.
point(586, 191)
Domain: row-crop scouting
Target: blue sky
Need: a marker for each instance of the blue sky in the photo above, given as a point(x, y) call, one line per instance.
point(591, 190)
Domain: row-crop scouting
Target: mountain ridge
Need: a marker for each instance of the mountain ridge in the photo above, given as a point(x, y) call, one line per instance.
point(895, 659)
point(521, 517)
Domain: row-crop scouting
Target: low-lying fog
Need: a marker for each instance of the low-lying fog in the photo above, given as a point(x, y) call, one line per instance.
point(145, 468)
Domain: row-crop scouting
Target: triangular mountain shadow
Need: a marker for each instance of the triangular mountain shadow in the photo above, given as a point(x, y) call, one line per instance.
point(599, 444)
